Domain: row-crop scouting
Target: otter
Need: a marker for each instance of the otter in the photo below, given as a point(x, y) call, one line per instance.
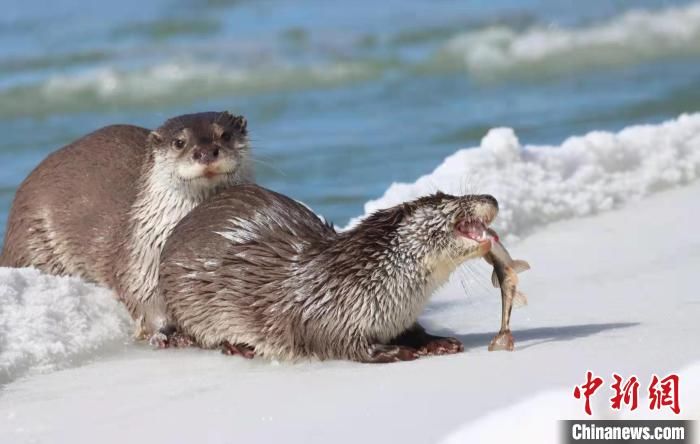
point(257, 273)
point(102, 207)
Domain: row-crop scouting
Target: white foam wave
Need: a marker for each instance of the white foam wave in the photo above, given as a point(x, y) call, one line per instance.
point(634, 35)
point(195, 79)
point(630, 37)
point(171, 84)
point(536, 185)
point(49, 322)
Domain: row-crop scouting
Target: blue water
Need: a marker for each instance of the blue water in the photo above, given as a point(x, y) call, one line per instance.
point(342, 98)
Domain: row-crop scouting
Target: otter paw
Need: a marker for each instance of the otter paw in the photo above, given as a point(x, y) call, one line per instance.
point(174, 340)
point(243, 350)
point(383, 354)
point(180, 340)
point(502, 341)
point(441, 346)
point(159, 340)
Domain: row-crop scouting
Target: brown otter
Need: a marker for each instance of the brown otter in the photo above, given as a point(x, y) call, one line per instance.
point(258, 273)
point(102, 207)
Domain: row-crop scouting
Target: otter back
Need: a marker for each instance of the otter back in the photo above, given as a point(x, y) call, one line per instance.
point(68, 211)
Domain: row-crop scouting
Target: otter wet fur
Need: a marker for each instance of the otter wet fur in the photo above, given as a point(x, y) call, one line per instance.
point(257, 273)
point(102, 207)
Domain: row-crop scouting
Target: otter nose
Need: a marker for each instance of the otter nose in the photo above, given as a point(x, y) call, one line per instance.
point(206, 155)
point(489, 199)
point(485, 207)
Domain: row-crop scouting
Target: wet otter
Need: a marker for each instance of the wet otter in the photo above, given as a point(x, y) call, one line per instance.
point(102, 207)
point(258, 273)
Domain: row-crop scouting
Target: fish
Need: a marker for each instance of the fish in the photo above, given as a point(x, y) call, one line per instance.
point(505, 277)
point(502, 256)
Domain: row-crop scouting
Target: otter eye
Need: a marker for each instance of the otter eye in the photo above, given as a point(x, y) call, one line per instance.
point(226, 136)
point(179, 144)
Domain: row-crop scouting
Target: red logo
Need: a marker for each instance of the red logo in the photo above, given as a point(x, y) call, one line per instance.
point(627, 394)
point(667, 396)
point(588, 389)
point(662, 392)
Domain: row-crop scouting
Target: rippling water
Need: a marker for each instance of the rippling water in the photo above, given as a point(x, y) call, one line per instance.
point(342, 99)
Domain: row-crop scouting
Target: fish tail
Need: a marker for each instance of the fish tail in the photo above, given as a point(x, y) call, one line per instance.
point(520, 266)
point(519, 299)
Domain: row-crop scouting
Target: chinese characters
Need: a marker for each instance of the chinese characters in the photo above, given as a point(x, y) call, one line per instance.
point(663, 393)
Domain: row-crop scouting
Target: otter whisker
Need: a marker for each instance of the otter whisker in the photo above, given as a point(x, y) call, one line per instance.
point(467, 185)
point(433, 184)
point(269, 165)
point(477, 277)
point(460, 277)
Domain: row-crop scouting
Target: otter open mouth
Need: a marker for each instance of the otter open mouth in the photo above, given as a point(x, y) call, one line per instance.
point(474, 230)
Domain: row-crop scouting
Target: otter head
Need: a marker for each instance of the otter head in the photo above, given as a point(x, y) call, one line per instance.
point(446, 230)
point(202, 150)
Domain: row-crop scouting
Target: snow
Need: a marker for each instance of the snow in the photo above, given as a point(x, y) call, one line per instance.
point(48, 322)
point(535, 185)
point(609, 291)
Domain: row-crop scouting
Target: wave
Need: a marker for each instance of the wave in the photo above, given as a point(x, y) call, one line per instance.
point(536, 185)
point(506, 46)
point(52, 61)
point(168, 28)
point(633, 36)
point(171, 83)
point(49, 322)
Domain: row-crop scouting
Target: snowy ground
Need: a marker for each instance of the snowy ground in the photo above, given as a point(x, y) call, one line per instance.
point(613, 292)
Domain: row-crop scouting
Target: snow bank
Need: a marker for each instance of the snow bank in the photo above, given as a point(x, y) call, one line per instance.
point(48, 322)
point(536, 185)
point(632, 36)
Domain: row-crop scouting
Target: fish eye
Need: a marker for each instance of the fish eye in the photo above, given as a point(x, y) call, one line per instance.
point(179, 144)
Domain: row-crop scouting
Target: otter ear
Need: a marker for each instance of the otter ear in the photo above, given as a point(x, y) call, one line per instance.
point(241, 124)
point(154, 138)
point(227, 120)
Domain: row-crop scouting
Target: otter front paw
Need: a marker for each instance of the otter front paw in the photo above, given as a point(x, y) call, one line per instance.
point(427, 344)
point(158, 340)
point(441, 346)
point(180, 340)
point(243, 350)
point(169, 337)
point(383, 354)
